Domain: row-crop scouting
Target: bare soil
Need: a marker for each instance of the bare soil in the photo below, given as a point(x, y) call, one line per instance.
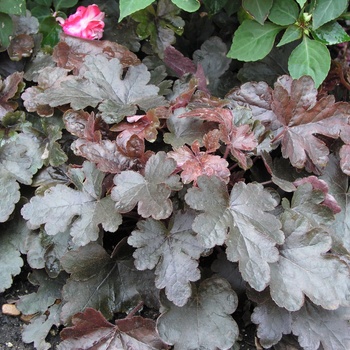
point(11, 327)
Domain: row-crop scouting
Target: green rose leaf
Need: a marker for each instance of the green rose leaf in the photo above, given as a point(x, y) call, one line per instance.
point(6, 31)
point(215, 6)
point(284, 12)
point(187, 5)
point(51, 30)
point(331, 33)
point(253, 41)
point(258, 9)
point(325, 11)
point(291, 34)
point(301, 2)
point(13, 7)
point(128, 7)
point(64, 4)
point(311, 58)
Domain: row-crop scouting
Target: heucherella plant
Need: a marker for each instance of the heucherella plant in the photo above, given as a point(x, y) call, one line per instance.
point(161, 200)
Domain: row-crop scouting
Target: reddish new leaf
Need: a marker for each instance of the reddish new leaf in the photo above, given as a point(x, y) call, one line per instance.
point(195, 163)
point(8, 89)
point(91, 330)
point(238, 139)
point(203, 99)
point(144, 126)
point(321, 185)
point(211, 140)
point(183, 92)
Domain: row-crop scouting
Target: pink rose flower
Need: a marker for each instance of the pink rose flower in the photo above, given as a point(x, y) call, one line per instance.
point(86, 23)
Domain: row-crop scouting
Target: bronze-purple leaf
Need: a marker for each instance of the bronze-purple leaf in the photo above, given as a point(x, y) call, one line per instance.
point(70, 52)
point(8, 89)
point(21, 46)
point(91, 330)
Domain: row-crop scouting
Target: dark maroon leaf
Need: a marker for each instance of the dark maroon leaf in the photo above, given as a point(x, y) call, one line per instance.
point(8, 89)
point(91, 330)
point(176, 61)
point(21, 46)
point(107, 283)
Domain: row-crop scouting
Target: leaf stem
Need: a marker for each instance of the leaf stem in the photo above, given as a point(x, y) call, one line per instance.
point(266, 182)
point(233, 166)
point(227, 151)
point(137, 308)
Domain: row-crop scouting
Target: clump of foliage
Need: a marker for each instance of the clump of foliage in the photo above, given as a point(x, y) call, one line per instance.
point(149, 170)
